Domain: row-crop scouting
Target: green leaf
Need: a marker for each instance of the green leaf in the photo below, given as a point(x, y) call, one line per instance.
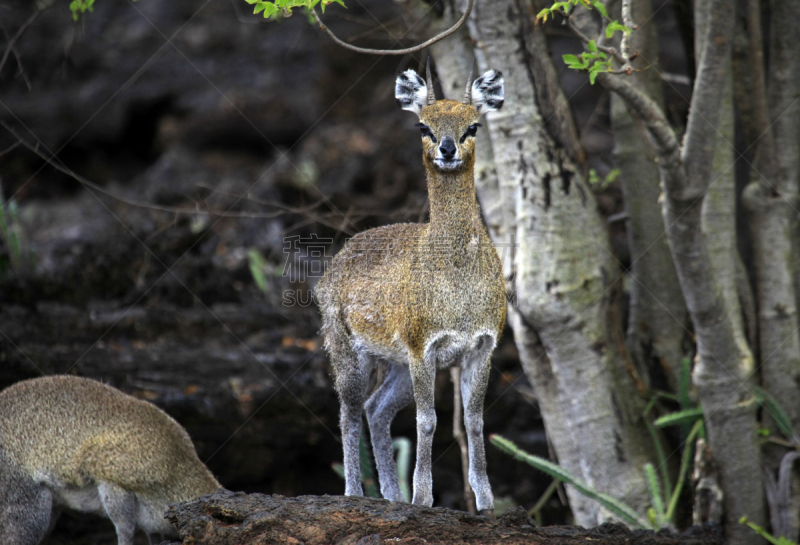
point(571, 59)
point(403, 447)
point(766, 535)
point(622, 510)
point(775, 411)
point(686, 458)
point(680, 417)
point(654, 488)
point(543, 15)
point(257, 262)
point(592, 77)
point(591, 46)
point(599, 6)
point(615, 26)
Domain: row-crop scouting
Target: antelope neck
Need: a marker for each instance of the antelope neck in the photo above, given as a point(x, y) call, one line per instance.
point(454, 209)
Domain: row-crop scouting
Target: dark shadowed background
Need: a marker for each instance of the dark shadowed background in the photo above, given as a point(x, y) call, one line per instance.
point(200, 106)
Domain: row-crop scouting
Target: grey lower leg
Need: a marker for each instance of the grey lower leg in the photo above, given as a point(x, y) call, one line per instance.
point(120, 505)
point(351, 383)
point(395, 393)
point(423, 375)
point(474, 382)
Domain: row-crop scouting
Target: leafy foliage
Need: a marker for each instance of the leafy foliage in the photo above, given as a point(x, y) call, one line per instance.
point(594, 61)
point(79, 7)
point(600, 184)
point(564, 8)
point(283, 8)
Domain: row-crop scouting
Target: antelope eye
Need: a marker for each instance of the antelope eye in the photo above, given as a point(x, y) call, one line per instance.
point(472, 130)
point(426, 131)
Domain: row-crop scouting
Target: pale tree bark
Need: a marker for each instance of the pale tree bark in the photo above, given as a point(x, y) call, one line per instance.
point(719, 206)
point(686, 173)
point(657, 324)
point(771, 200)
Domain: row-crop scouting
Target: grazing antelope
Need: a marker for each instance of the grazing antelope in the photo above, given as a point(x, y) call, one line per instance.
point(420, 297)
point(72, 442)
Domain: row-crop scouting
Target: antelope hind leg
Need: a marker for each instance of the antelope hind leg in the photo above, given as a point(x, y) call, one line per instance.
point(393, 394)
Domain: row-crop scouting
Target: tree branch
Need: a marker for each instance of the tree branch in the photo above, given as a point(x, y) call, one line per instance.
point(759, 97)
point(714, 68)
point(585, 39)
point(625, 43)
point(405, 51)
point(663, 137)
point(13, 40)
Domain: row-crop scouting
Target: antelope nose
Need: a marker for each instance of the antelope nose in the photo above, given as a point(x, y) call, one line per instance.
point(447, 148)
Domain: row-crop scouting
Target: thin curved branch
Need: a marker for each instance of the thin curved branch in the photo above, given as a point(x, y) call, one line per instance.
point(405, 51)
point(12, 41)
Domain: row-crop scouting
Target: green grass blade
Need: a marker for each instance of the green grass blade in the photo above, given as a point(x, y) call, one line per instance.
point(661, 456)
point(654, 488)
point(686, 459)
point(681, 417)
point(403, 447)
point(367, 469)
point(620, 509)
point(256, 262)
point(775, 410)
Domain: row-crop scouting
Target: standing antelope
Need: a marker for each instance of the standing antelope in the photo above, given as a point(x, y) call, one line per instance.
point(420, 297)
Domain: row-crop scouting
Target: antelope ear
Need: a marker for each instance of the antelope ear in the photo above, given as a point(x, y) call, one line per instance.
point(487, 92)
point(410, 92)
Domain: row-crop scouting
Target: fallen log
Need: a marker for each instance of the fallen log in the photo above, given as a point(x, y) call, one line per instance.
point(236, 518)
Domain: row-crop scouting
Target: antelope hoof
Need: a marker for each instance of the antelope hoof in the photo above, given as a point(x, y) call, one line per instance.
point(488, 513)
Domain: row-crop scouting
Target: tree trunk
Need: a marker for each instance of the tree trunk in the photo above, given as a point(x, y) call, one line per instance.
point(719, 209)
point(686, 172)
point(771, 199)
point(564, 279)
point(657, 324)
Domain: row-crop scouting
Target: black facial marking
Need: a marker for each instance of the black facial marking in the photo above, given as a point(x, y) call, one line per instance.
point(471, 131)
point(426, 131)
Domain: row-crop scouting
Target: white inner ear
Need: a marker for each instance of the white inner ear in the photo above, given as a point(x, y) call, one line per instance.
point(488, 92)
point(410, 91)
